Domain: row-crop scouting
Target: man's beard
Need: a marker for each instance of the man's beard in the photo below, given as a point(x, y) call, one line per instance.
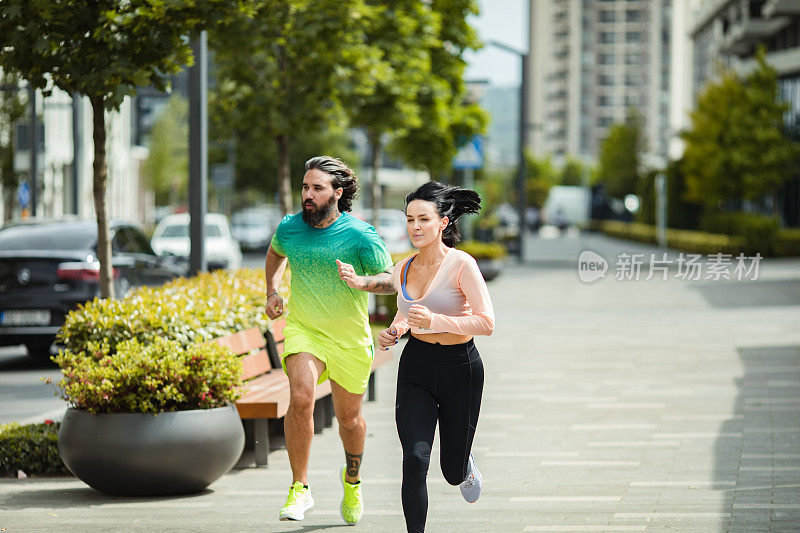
point(314, 216)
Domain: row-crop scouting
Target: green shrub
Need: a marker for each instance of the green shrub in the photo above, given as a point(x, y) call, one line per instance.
point(787, 243)
point(31, 448)
point(483, 250)
point(186, 310)
point(162, 375)
point(759, 232)
point(685, 240)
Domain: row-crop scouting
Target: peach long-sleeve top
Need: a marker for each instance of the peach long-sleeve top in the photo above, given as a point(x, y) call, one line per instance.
point(456, 296)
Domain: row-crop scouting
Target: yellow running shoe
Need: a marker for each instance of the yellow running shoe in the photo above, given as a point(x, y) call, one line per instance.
point(297, 503)
point(352, 507)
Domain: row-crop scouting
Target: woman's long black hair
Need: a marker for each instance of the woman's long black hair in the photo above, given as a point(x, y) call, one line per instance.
point(450, 202)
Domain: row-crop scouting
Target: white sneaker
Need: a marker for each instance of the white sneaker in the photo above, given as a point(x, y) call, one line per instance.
point(472, 485)
point(297, 503)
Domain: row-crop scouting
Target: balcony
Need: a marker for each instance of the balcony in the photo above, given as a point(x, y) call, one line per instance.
point(776, 8)
point(743, 36)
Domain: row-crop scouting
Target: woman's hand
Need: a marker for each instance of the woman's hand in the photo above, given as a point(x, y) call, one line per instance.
point(349, 276)
point(419, 316)
point(387, 338)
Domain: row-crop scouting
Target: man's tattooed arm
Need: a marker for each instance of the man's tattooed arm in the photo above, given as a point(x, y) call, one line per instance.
point(382, 283)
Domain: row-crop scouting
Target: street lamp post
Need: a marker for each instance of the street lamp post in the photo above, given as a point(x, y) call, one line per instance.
point(522, 141)
point(198, 154)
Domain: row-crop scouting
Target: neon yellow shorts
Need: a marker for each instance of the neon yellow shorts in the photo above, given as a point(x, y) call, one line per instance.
point(349, 367)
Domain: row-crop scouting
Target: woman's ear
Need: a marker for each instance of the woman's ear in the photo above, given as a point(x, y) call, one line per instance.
point(445, 222)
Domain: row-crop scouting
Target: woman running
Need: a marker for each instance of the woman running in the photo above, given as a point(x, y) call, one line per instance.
point(442, 299)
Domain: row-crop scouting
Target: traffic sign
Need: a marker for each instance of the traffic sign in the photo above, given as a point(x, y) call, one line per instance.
point(470, 156)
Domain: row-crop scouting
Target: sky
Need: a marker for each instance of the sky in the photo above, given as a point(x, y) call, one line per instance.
point(504, 21)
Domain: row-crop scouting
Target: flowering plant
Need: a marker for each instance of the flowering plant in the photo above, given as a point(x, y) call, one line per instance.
point(148, 378)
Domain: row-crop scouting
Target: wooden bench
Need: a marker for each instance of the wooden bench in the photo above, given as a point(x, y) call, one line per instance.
point(266, 387)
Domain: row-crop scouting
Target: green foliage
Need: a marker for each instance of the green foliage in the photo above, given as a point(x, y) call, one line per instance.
point(736, 147)
point(572, 173)
point(541, 176)
point(32, 448)
point(162, 375)
point(446, 116)
point(685, 240)
point(483, 250)
point(106, 48)
point(618, 165)
point(787, 243)
point(188, 311)
point(282, 70)
point(681, 213)
point(759, 232)
point(166, 169)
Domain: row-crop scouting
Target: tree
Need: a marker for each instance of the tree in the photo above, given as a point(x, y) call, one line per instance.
point(287, 66)
point(618, 166)
point(736, 147)
point(166, 169)
point(12, 109)
point(541, 176)
point(103, 49)
point(572, 173)
point(447, 117)
point(402, 32)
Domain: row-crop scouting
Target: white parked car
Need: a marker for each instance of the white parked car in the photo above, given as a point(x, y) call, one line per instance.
point(253, 227)
point(172, 238)
point(391, 227)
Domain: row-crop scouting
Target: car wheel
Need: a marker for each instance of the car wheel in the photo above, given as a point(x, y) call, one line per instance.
point(39, 349)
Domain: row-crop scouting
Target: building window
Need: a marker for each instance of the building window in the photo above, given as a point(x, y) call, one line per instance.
point(608, 37)
point(605, 80)
point(608, 16)
point(605, 101)
point(633, 37)
point(631, 15)
point(606, 59)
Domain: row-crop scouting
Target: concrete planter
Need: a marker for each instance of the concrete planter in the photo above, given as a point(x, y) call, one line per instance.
point(490, 268)
point(134, 454)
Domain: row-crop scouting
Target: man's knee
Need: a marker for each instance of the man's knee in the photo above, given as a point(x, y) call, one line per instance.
point(302, 398)
point(350, 420)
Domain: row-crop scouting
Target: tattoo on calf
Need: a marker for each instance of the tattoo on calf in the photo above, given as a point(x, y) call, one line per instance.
point(353, 464)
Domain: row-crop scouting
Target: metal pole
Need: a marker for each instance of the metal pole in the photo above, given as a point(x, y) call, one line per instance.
point(469, 183)
point(661, 209)
point(34, 149)
point(522, 202)
point(77, 150)
point(198, 154)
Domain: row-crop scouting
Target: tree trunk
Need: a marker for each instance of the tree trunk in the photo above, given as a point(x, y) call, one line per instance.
point(99, 179)
point(284, 174)
point(375, 196)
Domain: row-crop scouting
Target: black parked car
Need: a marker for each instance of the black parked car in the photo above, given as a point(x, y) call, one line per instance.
point(48, 267)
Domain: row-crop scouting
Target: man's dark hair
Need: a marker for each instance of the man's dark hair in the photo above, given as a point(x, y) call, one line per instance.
point(450, 202)
point(341, 176)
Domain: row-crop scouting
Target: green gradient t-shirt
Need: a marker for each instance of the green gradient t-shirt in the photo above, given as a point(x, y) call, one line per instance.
point(320, 302)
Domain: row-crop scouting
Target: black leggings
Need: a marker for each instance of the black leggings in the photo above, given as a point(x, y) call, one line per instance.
point(435, 383)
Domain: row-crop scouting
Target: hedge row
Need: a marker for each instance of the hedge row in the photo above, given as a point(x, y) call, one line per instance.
point(784, 243)
point(31, 448)
point(186, 310)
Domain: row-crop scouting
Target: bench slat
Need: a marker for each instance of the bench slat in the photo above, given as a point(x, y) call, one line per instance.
point(244, 341)
point(255, 364)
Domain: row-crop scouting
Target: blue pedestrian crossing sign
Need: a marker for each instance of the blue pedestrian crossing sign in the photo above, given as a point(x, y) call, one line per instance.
point(470, 155)
point(23, 194)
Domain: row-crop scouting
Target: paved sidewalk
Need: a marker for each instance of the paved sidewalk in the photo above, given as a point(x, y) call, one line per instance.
point(613, 406)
